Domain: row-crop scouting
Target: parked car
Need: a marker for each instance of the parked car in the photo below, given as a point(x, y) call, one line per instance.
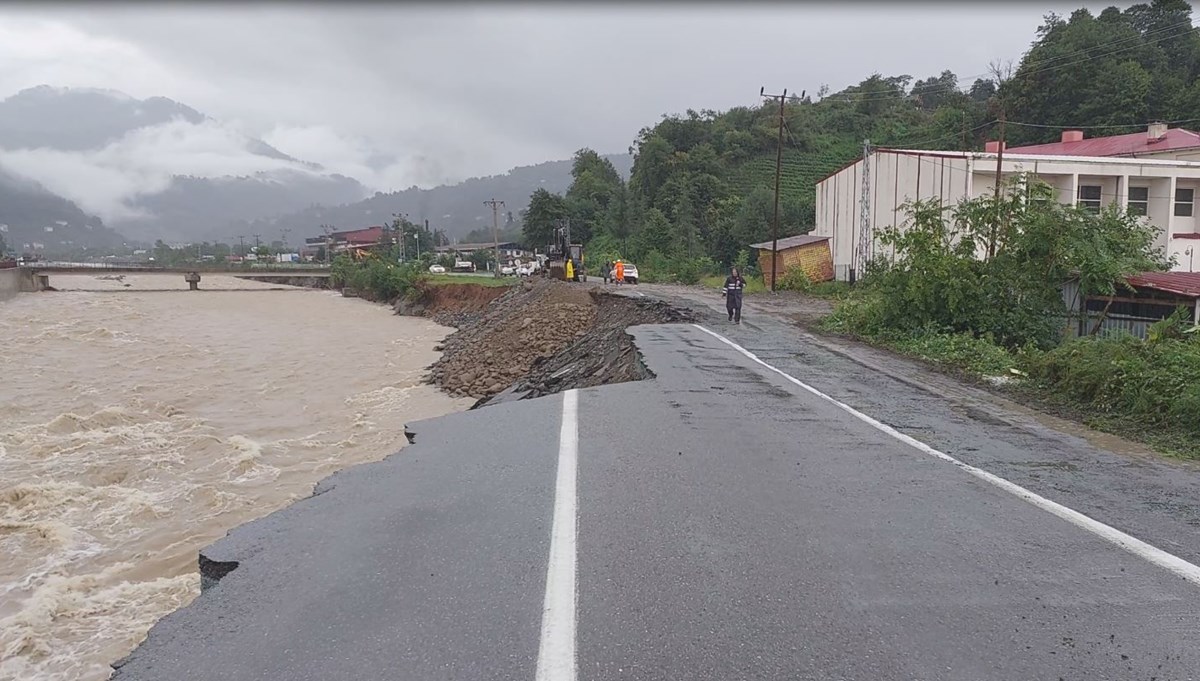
point(631, 273)
point(508, 270)
point(464, 266)
point(437, 269)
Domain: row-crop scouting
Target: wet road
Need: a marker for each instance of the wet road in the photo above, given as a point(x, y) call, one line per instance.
point(722, 521)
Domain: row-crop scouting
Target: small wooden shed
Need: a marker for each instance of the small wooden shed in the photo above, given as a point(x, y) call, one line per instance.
point(807, 251)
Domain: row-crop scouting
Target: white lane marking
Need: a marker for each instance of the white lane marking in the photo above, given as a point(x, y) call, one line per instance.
point(1137, 547)
point(556, 656)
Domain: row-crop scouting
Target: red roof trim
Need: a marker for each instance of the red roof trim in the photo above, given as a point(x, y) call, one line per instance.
point(1133, 144)
point(1185, 284)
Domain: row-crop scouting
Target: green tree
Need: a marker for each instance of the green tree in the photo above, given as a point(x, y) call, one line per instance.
point(1120, 68)
point(595, 185)
point(1032, 244)
point(538, 223)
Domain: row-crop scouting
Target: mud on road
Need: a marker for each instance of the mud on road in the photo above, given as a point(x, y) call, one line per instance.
point(536, 338)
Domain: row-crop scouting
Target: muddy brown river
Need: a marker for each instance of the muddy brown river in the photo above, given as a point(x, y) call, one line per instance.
point(139, 422)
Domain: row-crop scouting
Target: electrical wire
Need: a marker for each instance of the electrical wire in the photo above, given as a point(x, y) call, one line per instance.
point(1096, 127)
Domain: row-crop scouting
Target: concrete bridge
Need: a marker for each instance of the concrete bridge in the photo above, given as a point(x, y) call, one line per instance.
point(36, 276)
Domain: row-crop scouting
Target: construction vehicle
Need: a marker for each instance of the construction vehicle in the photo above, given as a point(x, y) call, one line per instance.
point(564, 260)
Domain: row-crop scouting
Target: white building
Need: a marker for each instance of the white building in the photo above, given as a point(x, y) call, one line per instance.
point(1155, 173)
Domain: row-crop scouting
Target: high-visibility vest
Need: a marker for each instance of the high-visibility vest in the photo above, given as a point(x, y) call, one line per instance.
point(570, 270)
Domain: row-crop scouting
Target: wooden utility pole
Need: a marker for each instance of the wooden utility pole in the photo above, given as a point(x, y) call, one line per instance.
point(778, 172)
point(999, 161)
point(495, 231)
point(398, 225)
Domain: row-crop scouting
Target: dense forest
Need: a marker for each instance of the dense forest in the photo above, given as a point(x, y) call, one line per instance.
point(702, 183)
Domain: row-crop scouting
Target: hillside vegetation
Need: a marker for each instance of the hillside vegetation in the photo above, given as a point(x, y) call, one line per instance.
point(701, 187)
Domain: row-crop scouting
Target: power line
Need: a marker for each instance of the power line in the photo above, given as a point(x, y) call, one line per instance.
point(1097, 127)
point(951, 134)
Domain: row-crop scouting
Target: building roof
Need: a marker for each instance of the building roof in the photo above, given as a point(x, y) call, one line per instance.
point(1133, 144)
point(368, 235)
point(1185, 284)
point(792, 242)
point(1017, 155)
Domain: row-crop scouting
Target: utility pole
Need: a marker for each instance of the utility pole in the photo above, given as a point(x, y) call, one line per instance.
point(328, 242)
point(242, 245)
point(283, 238)
point(999, 162)
point(866, 245)
point(778, 171)
point(495, 231)
point(401, 218)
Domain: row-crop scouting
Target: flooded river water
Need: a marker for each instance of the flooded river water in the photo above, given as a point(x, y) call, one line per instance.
point(138, 425)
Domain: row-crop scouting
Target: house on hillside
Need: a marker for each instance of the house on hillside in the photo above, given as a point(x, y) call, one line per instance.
point(810, 253)
point(1155, 173)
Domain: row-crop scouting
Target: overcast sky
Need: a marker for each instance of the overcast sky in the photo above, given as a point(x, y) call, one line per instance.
point(462, 90)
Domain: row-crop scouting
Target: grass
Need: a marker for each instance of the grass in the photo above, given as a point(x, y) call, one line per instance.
point(829, 289)
point(1147, 392)
point(477, 279)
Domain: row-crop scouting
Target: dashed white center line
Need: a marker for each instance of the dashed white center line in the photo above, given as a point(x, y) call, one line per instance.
point(556, 655)
point(1137, 547)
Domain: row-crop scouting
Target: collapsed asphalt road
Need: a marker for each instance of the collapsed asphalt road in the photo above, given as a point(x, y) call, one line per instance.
point(721, 521)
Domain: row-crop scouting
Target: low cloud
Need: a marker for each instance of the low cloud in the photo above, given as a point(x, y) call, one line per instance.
point(108, 181)
point(357, 157)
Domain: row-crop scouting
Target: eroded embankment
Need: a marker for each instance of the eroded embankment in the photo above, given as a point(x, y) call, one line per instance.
point(536, 338)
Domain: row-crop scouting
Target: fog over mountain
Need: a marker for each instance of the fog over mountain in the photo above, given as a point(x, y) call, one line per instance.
point(155, 168)
point(190, 121)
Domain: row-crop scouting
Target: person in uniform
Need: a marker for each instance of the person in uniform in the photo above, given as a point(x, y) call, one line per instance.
point(734, 286)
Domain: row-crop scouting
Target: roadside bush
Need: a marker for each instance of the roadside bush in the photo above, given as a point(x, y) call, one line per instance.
point(375, 279)
point(1156, 383)
point(860, 314)
point(993, 268)
point(656, 268)
point(960, 350)
point(794, 279)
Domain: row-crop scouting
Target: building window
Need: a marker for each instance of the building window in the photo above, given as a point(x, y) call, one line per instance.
point(1089, 196)
point(1184, 197)
point(1139, 201)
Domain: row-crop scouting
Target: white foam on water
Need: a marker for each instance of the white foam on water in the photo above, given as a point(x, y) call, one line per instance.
point(137, 428)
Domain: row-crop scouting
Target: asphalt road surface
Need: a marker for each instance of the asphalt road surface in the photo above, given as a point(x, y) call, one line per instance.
point(763, 509)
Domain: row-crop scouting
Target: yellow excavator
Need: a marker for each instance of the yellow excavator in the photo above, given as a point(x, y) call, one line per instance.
point(564, 260)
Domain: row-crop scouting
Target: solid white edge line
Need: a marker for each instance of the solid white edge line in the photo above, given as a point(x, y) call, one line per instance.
point(1139, 548)
point(556, 654)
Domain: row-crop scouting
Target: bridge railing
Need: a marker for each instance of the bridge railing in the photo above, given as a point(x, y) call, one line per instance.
point(192, 267)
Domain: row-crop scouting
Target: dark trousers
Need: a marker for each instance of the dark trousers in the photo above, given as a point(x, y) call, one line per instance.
point(733, 304)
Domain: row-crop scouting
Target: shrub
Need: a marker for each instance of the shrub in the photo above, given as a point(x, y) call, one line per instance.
point(794, 279)
point(375, 279)
point(959, 350)
point(1156, 383)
